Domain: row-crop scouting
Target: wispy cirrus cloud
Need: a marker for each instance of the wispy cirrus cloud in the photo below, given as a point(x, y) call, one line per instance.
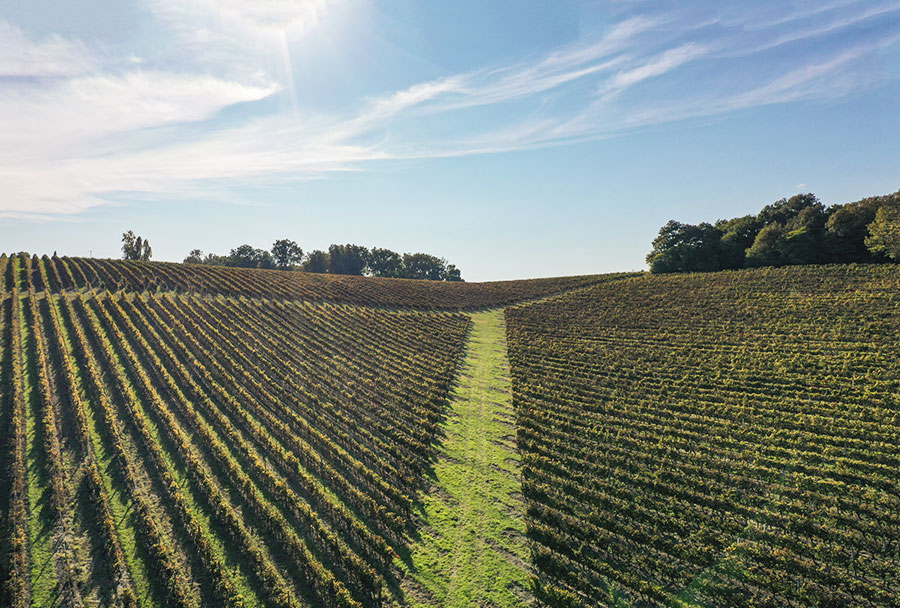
point(798, 27)
point(54, 56)
point(98, 131)
point(66, 117)
point(666, 61)
point(65, 122)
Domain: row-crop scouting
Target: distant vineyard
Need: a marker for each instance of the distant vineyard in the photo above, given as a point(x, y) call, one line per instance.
point(171, 450)
point(718, 440)
point(130, 276)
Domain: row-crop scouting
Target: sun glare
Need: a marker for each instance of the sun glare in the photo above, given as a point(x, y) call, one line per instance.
point(270, 18)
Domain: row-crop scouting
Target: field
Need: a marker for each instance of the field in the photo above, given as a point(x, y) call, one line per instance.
point(119, 275)
point(174, 450)
point(188, 436)
point(728, 439)
point(193, 436)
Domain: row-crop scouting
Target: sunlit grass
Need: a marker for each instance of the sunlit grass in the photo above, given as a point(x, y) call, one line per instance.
point(472, 549)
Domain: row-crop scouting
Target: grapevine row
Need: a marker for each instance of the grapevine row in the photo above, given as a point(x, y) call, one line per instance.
point(726, 439)
point(137, 277)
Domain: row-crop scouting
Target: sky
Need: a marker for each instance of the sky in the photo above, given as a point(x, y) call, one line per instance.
point(515, 138)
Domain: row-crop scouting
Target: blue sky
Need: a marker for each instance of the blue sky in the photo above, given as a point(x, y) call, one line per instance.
point(515, 138)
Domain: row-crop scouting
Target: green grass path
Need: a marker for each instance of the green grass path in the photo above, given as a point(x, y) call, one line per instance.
point(472, 549)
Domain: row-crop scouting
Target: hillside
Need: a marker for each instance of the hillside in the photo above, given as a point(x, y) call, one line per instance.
point(192, 436)
point(728, 439)
point(118, 275)
point(197, 451)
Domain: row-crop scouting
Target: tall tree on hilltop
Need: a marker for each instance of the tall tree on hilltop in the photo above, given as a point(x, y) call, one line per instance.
point(286, 254)
point(134, 247)
point(424, 266)
point(796, 230)
point(848, 228)
point(798, 238)
point(782, 211)
point(384, 263)
point(316, 261)
point(348, 259)
point(737, 236)
point(246, 256)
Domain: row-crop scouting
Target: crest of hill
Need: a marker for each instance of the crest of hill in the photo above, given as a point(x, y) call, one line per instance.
point(67, 274)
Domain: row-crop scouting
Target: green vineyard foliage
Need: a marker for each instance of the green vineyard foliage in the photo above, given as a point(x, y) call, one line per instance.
point(133, 276)
point(192, 436)
point(269, 451)
point(729, 439)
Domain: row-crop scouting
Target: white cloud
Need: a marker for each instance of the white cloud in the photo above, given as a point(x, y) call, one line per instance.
point(52, 57)
point(68, 129)
point(241, 23)
point(751, 17)
point(656, 66)
point(265, 14)
point(829, 78)
point(825, 79)
point(93, 133)
point(824, 28)
point(65, 117)
point(587, 58)
point(269, 149)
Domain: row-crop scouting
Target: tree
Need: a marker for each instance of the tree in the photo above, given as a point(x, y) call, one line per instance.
point(384, 263)
point(243, 256)
point(737, 236)
point(424, 266)
point(348, 259)
point(800, 240)
point(246, 256)
point(848, 227)
point(453, 273)
point(767, 249)
point(210, 259)
point(798, 230)
point(847, 230)
point(286, 254)
point(128, 249)
point(686, 248)
point(134, 247)
point(884, 232)
point(806, 236)
point(316, 261)
point(213, 259)
point(194, 257)
point(784, 210)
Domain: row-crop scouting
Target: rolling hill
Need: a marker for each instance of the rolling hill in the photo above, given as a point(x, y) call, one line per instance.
point(725, 439)
point(181, 435)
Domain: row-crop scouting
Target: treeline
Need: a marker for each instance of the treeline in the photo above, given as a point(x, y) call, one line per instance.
point(339, 259)
point(798, 230)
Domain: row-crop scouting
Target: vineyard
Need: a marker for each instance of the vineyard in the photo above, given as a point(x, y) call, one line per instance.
point(188, 436)
point(184, 451)
point(130, 276)
point(728, 439)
